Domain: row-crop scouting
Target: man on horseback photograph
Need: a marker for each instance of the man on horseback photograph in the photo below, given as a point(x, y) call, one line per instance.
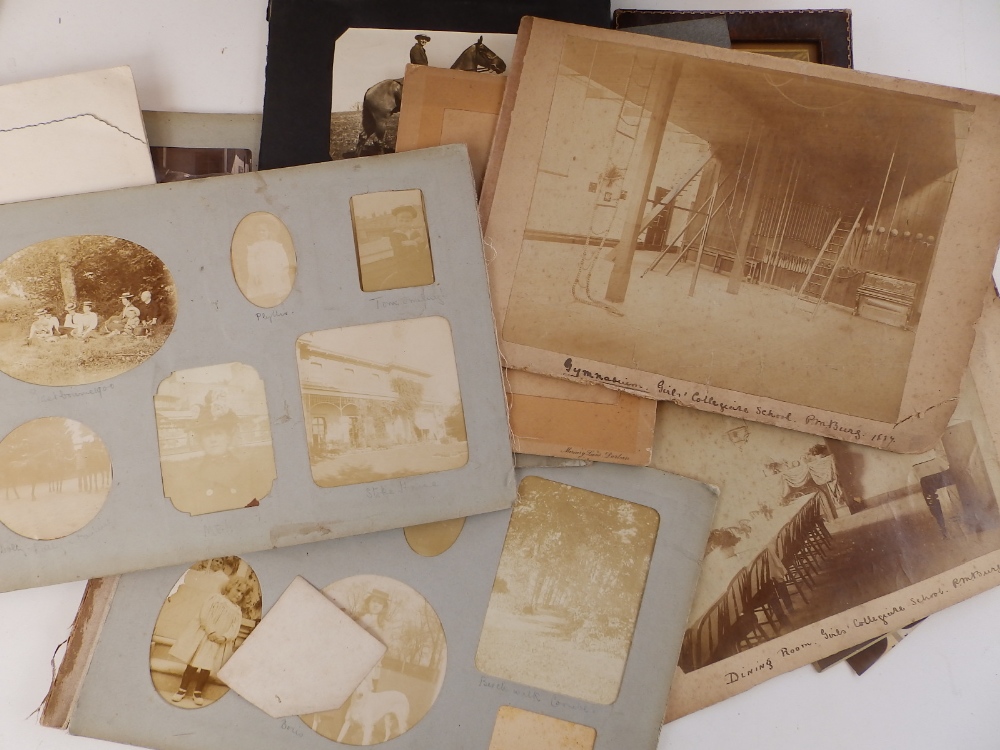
point(418, 56)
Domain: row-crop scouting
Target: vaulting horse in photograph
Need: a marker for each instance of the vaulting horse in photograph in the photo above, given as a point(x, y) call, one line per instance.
point(382, 100)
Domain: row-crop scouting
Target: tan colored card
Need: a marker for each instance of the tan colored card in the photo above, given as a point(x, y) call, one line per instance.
point(818, 544)
point(548, 417)
point(517, 729)
point(741, 234)
point(450, 106)
point(567, 592)
point(306, 655)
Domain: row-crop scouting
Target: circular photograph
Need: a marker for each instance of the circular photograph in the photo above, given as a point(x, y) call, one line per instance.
point(56, 475)
point(403, 686)
point(76, 310)
point(206, 616)
point(263, 259)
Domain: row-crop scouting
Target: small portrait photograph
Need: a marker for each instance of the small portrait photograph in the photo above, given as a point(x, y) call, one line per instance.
point(390, 234)
point(403, 686)
point(567, 591)
point(263, 259)
point(368, 68)
point(76, 310)
point(55, 475)
point(174, 163)
point(215, 438)
point(381, 401)
point(206, 616)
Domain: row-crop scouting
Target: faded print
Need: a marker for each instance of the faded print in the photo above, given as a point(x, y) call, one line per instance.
point(567, 591)
point(381, 401)
point(403, 686)
point(756, 218)
point(76, 310)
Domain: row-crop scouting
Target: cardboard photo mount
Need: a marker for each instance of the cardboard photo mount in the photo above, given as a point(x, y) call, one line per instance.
point(189, 226)
point(302, 35)
point(457, 584)
point(549, 417)
point(76, 133)
point(950, 296)
point(933, 552)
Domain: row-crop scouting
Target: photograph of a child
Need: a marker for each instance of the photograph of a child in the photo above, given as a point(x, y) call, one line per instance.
point(390, 233)
point(208, 614)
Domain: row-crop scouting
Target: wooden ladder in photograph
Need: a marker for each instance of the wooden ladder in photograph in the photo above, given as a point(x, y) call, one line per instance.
point(820, 277)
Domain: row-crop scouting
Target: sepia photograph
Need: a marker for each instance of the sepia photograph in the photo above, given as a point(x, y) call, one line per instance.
point(403, 686)
point(568, 587)
point(433, 539)
point(689, 216)
point(176, 163)
point(214, 437)
point(206, 616)
point(76, 310)
point(381, 401)
point(263, 259)
point(368, 68)
point(390, 236)
point(517, 729)
point(55, 474)
point(809, 528)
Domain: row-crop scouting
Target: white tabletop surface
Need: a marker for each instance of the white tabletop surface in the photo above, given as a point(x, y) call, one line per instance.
point(939, 689)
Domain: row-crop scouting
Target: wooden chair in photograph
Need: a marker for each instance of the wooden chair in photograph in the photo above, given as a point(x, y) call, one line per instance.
point(763, 605)
point(797, 574)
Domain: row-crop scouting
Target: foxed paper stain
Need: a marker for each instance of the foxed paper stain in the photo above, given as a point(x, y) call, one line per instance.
point(306, 655)
point(263, 259)
point(80, 309)
point(402, 687)
point(55, 474)
point(214, 437)
point(567, 591)
point(207, 615)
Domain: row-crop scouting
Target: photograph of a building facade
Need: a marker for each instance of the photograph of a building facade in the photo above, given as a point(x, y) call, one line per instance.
point(377, 412)
point(686, 206)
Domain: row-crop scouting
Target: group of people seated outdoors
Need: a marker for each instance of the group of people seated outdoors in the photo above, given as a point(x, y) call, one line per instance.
point(136, 318)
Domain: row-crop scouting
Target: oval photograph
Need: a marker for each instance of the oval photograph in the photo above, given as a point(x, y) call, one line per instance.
point(402, 687)
point(55, 475)
point(263, 259)
point(76, 310)
point(207, 615)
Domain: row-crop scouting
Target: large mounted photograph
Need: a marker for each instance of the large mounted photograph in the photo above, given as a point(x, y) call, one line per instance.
point(749, 237)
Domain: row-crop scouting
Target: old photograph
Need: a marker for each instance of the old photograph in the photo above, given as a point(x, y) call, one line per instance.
point(390, 236)
point(368, 68)
point(206, 616)
point(76, 310)
point(214, 437)
point(263, 259)
point(567, 590)
point(517, 729)
point(176, 163)
point(381, 401)
point(810, 528)
point(55, 474)
point(690, 216)
point(403, 686)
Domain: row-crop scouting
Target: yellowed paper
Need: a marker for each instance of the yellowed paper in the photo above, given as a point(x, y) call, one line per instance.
point(306, 655)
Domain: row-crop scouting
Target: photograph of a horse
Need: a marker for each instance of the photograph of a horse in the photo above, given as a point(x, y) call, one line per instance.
point(365, 124)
